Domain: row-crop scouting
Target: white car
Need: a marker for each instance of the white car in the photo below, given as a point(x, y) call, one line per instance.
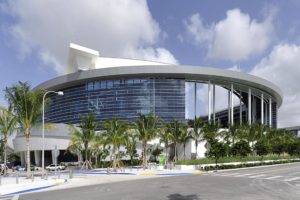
point(52, 167)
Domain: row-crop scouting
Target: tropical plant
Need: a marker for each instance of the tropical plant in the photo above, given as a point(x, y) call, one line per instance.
point(217, 150)
point(155, 151)
point(99, 149)
point(197, 133)
point(174, 128)
point(88, 127)
point(211, 131)
point(262, 148)
point(130, 144)
point(115, 134)
point(27, 107)
point(146, 128)
point(240, 148)
point(248, 133)
point(8, 122)
point(184, 137)
point(164, 137)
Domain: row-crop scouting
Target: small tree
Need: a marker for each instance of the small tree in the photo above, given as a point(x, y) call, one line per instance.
point(115, 134)
point(8, 122)
point(217, 150)
point(262, 148)
point(130, 145)
point(175, 130)
point(294, 148)
point(184, 137)
point(27, 106)
point(197, 133)
point(146, 128)
point(240, 148)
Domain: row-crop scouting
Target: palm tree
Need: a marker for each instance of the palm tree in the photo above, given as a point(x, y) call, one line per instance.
point(115, 134)
point(197, 132)
point(248, 133)
point(99, 148)
point(27, 106)
point(184, 137)
point(164, 137)
point(174, 128)
point(130, 144)
point(233, 132)
point(81, 138)
point(211, 133)
point(8, 122)
point(146, 127)
point(88, 127)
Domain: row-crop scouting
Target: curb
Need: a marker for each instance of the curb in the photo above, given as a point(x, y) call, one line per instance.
point(255, 167)
point(16, 194)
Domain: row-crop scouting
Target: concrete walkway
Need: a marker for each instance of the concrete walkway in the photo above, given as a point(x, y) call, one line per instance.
point(81, 178)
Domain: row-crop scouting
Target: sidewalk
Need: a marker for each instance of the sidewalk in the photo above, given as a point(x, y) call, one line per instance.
point(82, 178)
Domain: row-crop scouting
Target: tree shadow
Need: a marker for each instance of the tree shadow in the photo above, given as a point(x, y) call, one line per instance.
point(177, 196)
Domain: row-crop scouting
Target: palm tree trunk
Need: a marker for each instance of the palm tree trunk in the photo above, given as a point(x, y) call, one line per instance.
point(28, 154)
point(114, 159)
point(184, 151)
point(144, 154)
point(175, 157)
point(196, 144)
point(5, 155)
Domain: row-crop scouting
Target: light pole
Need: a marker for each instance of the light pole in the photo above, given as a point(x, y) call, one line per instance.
point(60, 93)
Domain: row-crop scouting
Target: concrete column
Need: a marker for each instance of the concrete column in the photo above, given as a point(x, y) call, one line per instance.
point(195, 100)
point(270, 112)
point(231, 105)
point(22, 157)
point(214, 103)
point(254, 110)
point(37, 157)
point(262, 108)
point(249, 107)
point(53, 155)
point(241, 114)
point(209, 101)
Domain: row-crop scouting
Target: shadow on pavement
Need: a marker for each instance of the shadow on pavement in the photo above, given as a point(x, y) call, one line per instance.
point(177, 196)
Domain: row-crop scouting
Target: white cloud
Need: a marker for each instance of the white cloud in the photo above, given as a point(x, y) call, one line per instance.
point(282, 68)
point(120, 28)
point(235, 38)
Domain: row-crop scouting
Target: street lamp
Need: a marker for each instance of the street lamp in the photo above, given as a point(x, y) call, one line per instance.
point(60, 93)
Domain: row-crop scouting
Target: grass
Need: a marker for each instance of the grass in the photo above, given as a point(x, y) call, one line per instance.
point(234, 159)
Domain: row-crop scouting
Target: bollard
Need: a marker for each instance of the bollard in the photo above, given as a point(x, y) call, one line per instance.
point(0, 180)
point(46, 175)
point(70, 174)
point(58, 175)
point(32, 177)
point(17, 178)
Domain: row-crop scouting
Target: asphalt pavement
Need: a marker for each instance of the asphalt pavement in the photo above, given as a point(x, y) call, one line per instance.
point(265, 183)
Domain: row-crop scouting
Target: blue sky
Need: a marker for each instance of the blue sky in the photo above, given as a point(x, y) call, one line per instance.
point(254, 36)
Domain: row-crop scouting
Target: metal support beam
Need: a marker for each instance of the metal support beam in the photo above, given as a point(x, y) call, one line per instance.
point(231, 105)
point(270, 112)
point(214, 103)
point(249, 106)
point(195, 100)
point(209, 101)
point(241, 114)
point(262, 108)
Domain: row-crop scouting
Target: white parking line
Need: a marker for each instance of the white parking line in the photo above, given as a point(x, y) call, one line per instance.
point(257, 176)
point(241, 175)
point(273, 177)
point(292, 179)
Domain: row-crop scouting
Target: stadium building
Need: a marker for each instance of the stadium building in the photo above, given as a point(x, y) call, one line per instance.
point(113, 87)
